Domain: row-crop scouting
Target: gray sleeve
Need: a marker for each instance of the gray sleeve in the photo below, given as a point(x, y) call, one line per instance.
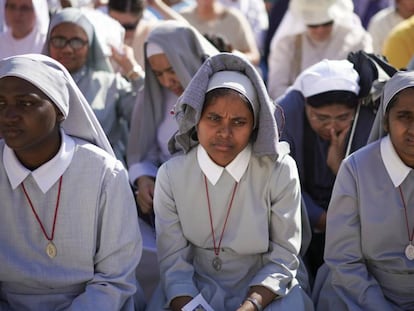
point(353, 283)
point(118, 248)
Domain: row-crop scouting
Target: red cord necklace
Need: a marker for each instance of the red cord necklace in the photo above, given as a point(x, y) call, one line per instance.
point(51, 250)
point(216, 263)
point(409, 250)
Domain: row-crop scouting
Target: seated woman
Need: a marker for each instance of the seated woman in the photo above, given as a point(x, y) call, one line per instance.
point(369, 233)
point(173, 53)
point(68, 231)
point(323, 123)
point(238, 245)
point(73, 42)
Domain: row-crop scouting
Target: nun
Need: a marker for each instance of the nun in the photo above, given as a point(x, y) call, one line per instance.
point(228, 209)
point(69, 234)
point(369, 251)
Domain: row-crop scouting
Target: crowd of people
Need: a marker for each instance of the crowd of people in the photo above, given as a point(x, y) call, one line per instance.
point(206, 155)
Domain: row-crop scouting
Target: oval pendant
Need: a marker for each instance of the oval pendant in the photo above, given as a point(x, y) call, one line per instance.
point(409, 251)
point(216, 263)
point(51, 250)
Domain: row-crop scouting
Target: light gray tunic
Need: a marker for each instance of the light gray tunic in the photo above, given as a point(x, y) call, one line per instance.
point(366, 237)
point(112, 98)
point(260, 244)
point(97, 239)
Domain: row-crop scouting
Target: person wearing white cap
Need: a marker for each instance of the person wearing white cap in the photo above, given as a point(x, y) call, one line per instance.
point(311, 31)
point(73, 40)
point(69, 236)
point(26, 23)
point(369, 251)
point(323, 123)
point(228, 211)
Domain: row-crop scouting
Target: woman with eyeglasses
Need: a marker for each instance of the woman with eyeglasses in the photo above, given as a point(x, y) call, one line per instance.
point(369, 232)
point(324, 123)
point(72, 40)
point(26, 24)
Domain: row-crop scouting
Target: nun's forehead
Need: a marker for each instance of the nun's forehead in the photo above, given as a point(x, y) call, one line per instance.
point(22, 86)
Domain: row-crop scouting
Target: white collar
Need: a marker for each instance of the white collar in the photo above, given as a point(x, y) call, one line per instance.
point(395, 167)
point(235, 168)
point(45, 175)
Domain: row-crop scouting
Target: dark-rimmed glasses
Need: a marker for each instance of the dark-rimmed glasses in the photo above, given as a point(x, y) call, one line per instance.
point(75, 43)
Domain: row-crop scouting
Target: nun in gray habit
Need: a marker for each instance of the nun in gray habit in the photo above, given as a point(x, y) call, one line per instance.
point(186, 50)
point(69, 237)
point(369, 250)
point(110, 95)
point(238, 245)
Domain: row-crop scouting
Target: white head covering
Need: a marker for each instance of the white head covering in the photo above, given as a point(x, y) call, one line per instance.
point(398, 82)
point(312, 12)
point(236, 81)
point(328, 75)
point(153, 48)
point(34, 41)
point(56, 82)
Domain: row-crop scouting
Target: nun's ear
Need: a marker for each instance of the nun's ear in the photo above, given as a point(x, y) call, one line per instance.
point(59, 116)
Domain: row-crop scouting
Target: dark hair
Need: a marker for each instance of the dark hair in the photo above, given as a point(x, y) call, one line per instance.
point(223, 91)
point(127, 6)
point(345, 98)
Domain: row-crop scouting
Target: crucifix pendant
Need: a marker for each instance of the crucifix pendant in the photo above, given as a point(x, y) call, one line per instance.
point(409, 251)
point(51, 250)
point(216, 263)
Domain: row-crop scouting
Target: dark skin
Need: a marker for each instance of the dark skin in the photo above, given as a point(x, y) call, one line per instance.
point(29, 122)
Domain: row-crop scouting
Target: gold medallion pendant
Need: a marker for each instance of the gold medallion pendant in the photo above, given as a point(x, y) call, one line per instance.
point(51, 250)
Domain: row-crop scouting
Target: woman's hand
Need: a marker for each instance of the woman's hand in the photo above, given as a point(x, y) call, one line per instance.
point(336, 151)
point(145, 193)
point(178, 302)
point(126, 60)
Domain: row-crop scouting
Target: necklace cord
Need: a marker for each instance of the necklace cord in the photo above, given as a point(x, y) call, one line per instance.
point(37, 216)
point(217, 249)
point(410, 236)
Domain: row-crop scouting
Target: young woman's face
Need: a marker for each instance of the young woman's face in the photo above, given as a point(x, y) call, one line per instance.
point(20, 17)
point(323, 119)
point(225, 128)
point(399, 123)
point(29, 121)
point(165, 73)
point(72, 56)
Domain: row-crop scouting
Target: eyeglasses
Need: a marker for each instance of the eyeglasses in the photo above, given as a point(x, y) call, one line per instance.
point(326, 120)
point(24, 9)
point(130, 26)
point(324, 25)
point(75, 43)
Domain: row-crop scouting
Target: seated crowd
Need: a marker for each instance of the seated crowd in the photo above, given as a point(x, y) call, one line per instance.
point(198, 155)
